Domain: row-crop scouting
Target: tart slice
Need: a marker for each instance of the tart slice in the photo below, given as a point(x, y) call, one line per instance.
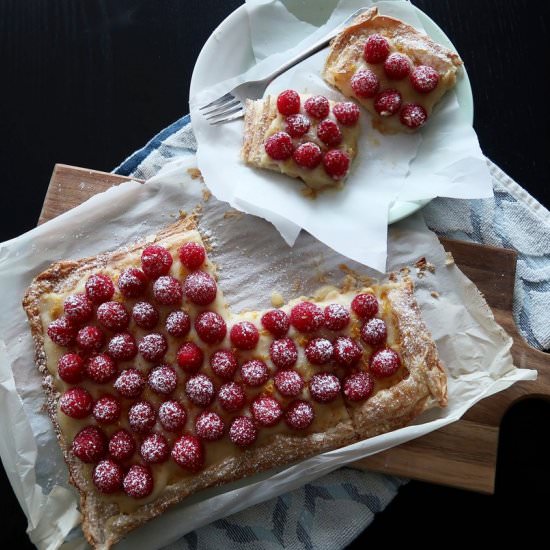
point(303, 136)
point(396, 72)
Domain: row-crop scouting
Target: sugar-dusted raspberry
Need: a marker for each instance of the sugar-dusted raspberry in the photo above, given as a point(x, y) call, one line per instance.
point(154, 449)
point(299, 415)
point(153, 347)
point(141, 417)
point(324, 387)
point(297, 125)
point(289, 383)
point(358, 386)
point(155, 261)
point(100, 368)
point(99, 288)
point(424, 79)
point(224, 363)
point(266, 411)
point(308, 155)
point(145, 315)
point(167, 290)
point(178, 323)
point(90, 444)
point(130, 383)
point(132, 282)
point(62, 331)
point(107, 409)
point(346, 113)
point(254, 373)
point(365, 305)
point(319, 351)
point(244, 335)
point(78, 308)
point(76, 403)
point(347, 352)
point(288, 102)
point(243, 432)
point(122, 445)
point(384, 363)
point(90, 338)
point(336, 163)
point(283, 353)
point(188, 452)
point(377, 48)
point(200, 288)
point(172, 416)
point(122, 347)
point(306, 317)
point(210, 327)
point(329, 133)
point(374, 332)
point(190, 357)
point(113, 315)
point(279, 146)
point(276, 321)
point(231, 396)
point(413, 116)
point(138, 481)
point(388, 102)
point(70, 368)
point(162, 379)
point(365, 83)
point(107, 476)
point(200, 390)
point(336, 317)
point(209, 426)
point(317, 106)
point(192, 255)
point(397, 66)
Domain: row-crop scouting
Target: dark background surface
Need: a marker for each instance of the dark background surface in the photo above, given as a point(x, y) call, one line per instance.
point(87, 83)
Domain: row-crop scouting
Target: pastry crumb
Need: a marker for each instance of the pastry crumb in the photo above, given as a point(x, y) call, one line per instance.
point(206, 194)
point(195, 173)
point(277, 299)
point(422, 265)
point(449, 260)
point(233, 214)
point(308, 193)
point(182, 214)
point(434, 294)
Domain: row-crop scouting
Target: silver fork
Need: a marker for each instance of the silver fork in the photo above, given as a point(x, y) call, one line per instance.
point(230, 106)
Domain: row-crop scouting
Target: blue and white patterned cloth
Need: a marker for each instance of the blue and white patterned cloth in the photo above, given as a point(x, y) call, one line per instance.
point(335, 509)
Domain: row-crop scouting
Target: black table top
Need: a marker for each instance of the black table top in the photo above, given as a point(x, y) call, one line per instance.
point(87, 83)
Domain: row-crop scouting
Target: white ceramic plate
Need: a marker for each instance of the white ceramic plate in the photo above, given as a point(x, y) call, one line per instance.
point(214, 65)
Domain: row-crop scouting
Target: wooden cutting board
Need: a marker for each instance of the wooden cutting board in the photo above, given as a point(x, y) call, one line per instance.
point(462, 454)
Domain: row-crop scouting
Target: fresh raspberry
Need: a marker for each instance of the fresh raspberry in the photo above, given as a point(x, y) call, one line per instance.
point(224, 363)
point(78, 308)
point(209, 426)
point(62, 331)
point(347, 351)
point(424, 79)
point(200, 288)
point(122, 347)
point(130, 383)
point(388, 102)
point(192, 255)
point(76, 403)
point(289, 383)
point(244, 335)
point(155, 261)
point(324, 387)
point(100, 368)
point(231, 397)
point(70, 368)
point(243, 432)
point(178, 323)
point(122, 445)
point(306, 317)
point(299, 415)
point(336, 317)
point(107, 409)
point(346, 113)
point(279, 146)
point(288, 102)
point(113, 315)
point(145, 315)
point(413, 116)
point(374, 332)
point(154, 449)
point(210, 327)
point(377, 48)
point(365, 83)
point(329, 133)
point(297, 125)
point(254, 373)
point(384, 363)
point(365, 306)
point(308, 155)
point(163, 379)
point(90, 338)
point(89, 444)
point(200, 390)
point(190, 357)
point(317, 106)
point(107, 476)
point(132, 282)
point(336, 163)
point(397, 66)
point(167, 290)
point(99, 288)
point(319, 351)
point(138, 481)
point(188, 452)
point(358, 386)
point(172, 416)
point(153, 347)
point(276, 321)
point(266, 411)
point(283, 353)
point(141, 417)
